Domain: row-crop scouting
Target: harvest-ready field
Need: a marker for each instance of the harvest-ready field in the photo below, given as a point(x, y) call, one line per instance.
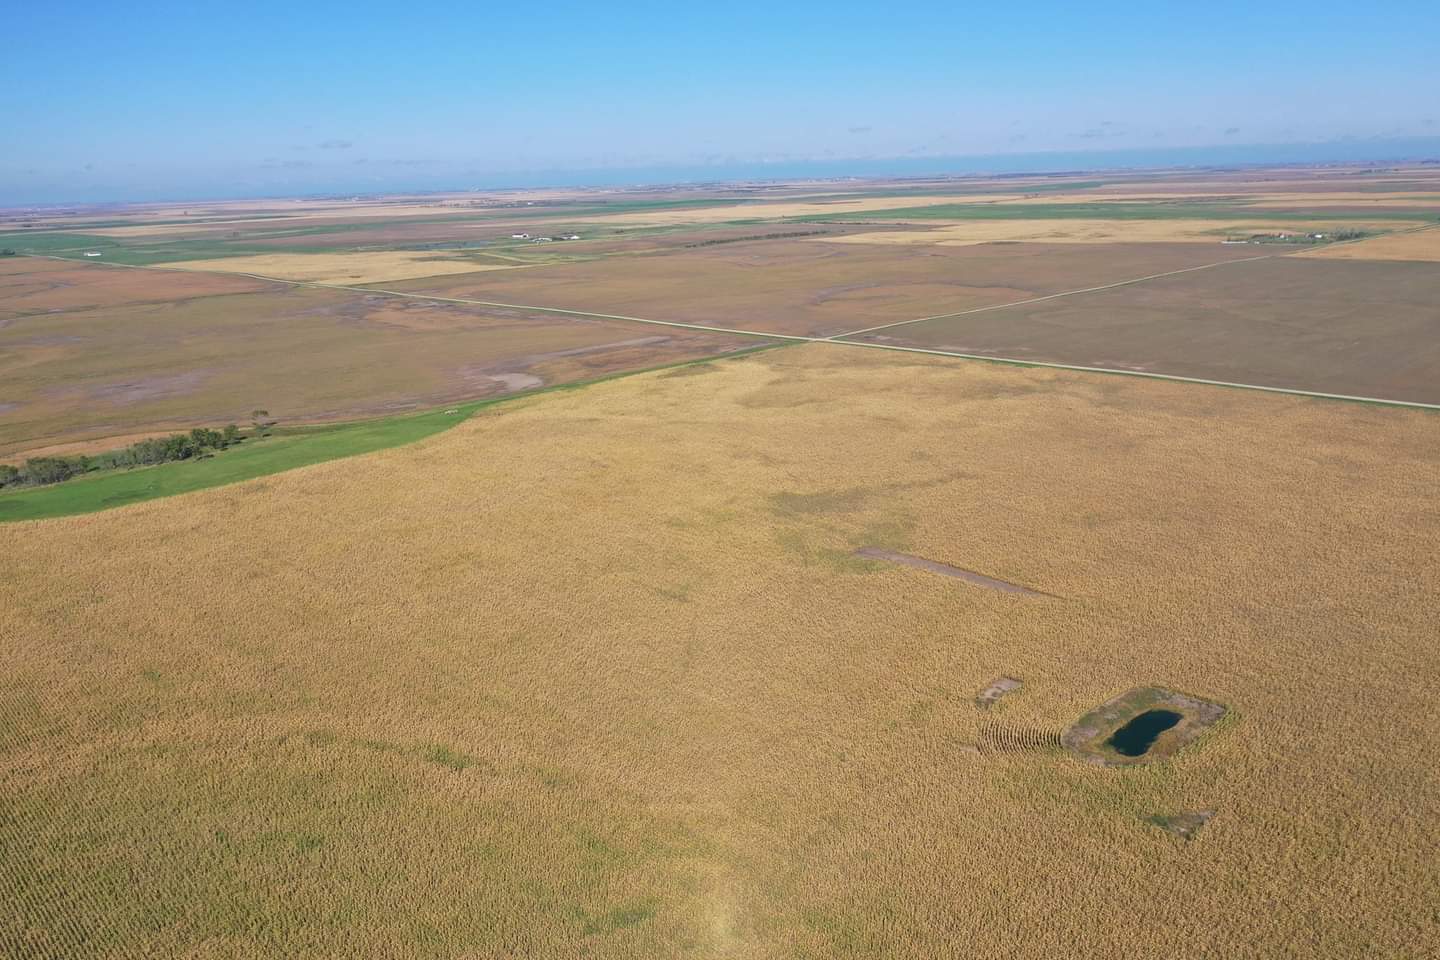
point(813, 650)
point(597, 674)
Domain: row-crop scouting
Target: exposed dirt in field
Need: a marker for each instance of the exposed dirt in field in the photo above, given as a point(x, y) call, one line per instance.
point(147, 388)
point(996, 689)
point(944, 569)
point(1184, 825)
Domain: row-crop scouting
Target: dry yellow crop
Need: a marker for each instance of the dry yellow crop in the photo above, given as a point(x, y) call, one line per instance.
point(1422, 245)
point(1086, 231)
point(364, 267)
point(597, 674)
point(830, 205)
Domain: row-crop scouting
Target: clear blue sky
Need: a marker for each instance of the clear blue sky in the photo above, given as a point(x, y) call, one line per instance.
point(155, 99)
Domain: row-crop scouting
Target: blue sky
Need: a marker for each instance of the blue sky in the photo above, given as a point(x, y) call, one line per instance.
point(152, 100)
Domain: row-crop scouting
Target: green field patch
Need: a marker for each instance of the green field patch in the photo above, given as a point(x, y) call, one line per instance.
point(448, 757)
point(299, 447)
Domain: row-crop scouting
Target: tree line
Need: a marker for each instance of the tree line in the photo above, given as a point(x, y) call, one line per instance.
point(199, 442)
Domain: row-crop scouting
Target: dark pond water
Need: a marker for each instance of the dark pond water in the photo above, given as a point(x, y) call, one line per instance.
point(1139, 734)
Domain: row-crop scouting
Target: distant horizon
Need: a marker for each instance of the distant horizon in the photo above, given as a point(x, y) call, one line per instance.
point(1344, 151)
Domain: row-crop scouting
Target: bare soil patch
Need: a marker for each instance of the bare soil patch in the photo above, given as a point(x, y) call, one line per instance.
point(996, 689)
point(1185, 824)
point(944, 569)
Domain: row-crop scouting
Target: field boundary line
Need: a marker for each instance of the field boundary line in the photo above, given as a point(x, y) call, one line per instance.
point(1054, 296)
point(1177, 378)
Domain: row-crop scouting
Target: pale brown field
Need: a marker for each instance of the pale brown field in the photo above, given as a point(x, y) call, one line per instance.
point(29, 285)
point(359, 267)
point(596, 675)
point(1368, 329)
point(799, 287)
point(1423, 245)
point(101, 375)
point(772, 210)
point(1090, 231)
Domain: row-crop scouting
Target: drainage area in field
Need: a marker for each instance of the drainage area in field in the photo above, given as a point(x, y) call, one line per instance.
point(946, 570)
point(1141, 726)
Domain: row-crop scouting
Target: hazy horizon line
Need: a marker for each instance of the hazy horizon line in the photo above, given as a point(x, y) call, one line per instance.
point(1343, 151)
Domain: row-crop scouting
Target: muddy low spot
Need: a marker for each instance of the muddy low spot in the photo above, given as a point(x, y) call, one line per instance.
point(1185, 824)
point(944, 569)
point(996, 689)
point(513, 382)
point(148, 388)
point(1140, 726)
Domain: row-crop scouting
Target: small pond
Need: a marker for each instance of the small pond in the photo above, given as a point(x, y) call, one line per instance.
point(1137, 736)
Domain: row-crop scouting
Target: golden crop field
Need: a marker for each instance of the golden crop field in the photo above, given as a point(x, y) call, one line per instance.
point(358, 267)
point(1421, 245)
point(597, 674)
point(1087, 231)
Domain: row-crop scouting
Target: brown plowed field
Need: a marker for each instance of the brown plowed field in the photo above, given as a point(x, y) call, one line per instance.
point(1350, 327)
point(302, 354)
point(820, 289)
point(30, 285)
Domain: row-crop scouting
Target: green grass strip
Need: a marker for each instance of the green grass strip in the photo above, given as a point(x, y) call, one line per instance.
point(285, 450)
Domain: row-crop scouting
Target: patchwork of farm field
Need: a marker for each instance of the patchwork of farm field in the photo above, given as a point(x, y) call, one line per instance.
point(101, 354)
point(304, 354)
point(599, 674)
point(1368, 329)
point(809, 288)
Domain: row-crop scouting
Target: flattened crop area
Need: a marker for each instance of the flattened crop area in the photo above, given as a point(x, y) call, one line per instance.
point(816, 288)
point(301, 354)
point(598, 675)
point(1368, 329)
